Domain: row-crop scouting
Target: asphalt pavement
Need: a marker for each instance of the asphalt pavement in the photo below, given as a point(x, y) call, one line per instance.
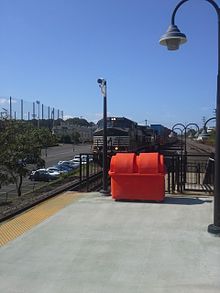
point(63, 152)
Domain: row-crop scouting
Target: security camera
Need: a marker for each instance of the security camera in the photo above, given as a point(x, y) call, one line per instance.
point(101, 81)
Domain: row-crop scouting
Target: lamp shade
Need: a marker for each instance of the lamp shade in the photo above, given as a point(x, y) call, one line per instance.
point(173, 38)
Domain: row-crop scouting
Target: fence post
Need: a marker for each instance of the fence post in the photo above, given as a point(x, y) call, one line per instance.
point(80, 173)
point(168, 174)
point(173, 177)
point(87, 172)
point(178, 171)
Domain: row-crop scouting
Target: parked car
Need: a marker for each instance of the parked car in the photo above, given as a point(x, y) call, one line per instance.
point(55, 169)
point(64, 168)
point(54, 172)
point(70, 164)
point(43, 175)
point(76, 159)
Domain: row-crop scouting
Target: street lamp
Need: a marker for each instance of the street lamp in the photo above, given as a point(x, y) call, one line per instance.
point(172, 39)
point(204, 131)
point(184, 129)
point(103, 85)
point(192, 124)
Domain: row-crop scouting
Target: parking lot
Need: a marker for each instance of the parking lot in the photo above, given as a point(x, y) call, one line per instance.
point(51, 156)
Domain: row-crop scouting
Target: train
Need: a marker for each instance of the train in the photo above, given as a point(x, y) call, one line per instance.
point(125, 135)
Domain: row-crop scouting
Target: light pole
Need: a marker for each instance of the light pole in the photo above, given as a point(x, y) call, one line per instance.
point(184, 128)
point(103, 85)
point(38, 114)
point(204, 131)
point(172, 39)
point(192, 124)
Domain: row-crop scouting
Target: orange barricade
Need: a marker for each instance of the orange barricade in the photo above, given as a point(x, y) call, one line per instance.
point(138, 177)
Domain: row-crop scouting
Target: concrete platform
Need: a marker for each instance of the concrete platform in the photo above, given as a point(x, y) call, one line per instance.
point(97, 245)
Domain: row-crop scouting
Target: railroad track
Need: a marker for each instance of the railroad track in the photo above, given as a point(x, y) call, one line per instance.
point(198, 148)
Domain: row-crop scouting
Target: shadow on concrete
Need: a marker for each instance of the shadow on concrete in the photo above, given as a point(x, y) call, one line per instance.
point(172, 200)
point(185, 200)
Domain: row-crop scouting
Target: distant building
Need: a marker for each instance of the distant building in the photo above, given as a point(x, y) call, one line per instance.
point(65, 128)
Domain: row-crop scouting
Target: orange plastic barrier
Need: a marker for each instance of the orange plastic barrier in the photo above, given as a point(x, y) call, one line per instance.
point(137, 177)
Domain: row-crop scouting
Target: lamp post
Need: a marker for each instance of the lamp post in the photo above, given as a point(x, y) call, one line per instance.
point(172, 39)
point(192, 124)
point(204, 127)
point(184, 128)
point(103, 85)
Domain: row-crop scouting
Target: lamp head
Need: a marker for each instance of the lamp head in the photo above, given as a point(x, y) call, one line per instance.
point(173, 38)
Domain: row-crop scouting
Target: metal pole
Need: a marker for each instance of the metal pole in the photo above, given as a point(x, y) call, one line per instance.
point(48, 112)
point(103, 86)
point(10, 107)
point(52, 114)
point(22, 110)
point(215, 227)
point(34, 116)
point(105, 170)
point(38, 114)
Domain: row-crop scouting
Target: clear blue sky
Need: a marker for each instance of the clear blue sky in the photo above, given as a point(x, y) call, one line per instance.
point(54, 51)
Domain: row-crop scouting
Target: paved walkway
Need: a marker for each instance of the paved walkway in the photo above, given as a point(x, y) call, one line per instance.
point(97, 245)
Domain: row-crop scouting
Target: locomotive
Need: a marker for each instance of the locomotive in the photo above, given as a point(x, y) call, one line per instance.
point(125, 135)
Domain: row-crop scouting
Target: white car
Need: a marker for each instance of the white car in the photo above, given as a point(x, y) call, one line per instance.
point(68, 163)
point(76, 159)
point(53, 172)
point(43, 175)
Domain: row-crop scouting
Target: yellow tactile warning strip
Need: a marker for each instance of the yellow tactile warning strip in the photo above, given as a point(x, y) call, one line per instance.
point(21, 223)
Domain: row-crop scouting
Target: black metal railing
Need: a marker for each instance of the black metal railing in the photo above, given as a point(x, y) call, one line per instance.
point(184, 173)
point(189, 173)
point(90, 172)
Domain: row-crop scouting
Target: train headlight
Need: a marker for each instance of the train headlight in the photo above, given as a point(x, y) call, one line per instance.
point(116, 148)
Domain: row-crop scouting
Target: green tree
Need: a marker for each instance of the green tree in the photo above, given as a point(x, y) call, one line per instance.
point(18, 141)
point(46, 138)
point(78, 121)
point(65, 138)
point(75, 137)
